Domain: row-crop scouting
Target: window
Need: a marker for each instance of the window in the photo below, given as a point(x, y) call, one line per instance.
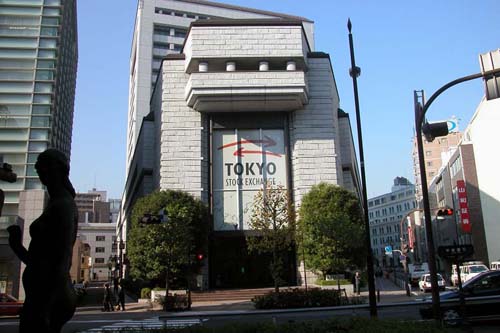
point(44, 75)
point(180, 33)
point(50, 21)
point(40, 121)
point(39, 134)
point(99, 250)
point(99, 260)
point(41, 109)
point(428, 153)
point(37, 146)
point(100, 238)
point(46, 64)
point(45, 31)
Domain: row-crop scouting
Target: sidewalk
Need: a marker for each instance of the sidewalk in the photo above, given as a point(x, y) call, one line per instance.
point(390, 292)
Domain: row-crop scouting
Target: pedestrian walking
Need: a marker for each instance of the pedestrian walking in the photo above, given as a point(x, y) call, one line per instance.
point(115, 286)
point(357, 282)
point(108, 298)
point(121, 297)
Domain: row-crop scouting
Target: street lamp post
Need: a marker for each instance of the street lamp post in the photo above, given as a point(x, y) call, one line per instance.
point(420, 111)
point(355, 72)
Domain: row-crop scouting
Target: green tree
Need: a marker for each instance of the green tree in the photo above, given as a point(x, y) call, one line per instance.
point(332, 229)
point(167, 250)
point(274, 220)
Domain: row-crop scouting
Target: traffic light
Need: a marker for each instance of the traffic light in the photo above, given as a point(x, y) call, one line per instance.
point(200, 256)
point(445, 212)
point(433, 130)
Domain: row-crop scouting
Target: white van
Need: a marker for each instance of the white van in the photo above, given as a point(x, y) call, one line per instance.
point(467, 271)
point(495, 266)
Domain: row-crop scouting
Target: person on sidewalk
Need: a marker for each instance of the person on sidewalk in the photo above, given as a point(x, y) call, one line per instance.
point(107, 302)
point(121, 297)
point(378, 281)
point(357, 283)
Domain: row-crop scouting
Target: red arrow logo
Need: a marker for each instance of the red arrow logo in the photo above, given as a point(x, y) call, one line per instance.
point(241, 152)
point(267, 142)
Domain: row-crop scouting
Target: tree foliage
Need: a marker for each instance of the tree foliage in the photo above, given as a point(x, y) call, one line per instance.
point(274, 220)
point(172, 245)
point(332, 229)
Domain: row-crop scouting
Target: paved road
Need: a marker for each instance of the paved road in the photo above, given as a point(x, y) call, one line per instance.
point(90, 318)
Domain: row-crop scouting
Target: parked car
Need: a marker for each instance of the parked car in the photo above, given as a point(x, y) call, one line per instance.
point(467, 271)
point(495, 265)
point(481, 297)
point(425, 282)
point(9, 306)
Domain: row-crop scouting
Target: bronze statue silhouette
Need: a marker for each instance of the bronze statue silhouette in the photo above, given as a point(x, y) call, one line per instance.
point(50, 298)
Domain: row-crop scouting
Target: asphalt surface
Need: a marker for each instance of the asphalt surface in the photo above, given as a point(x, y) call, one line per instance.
point(89, 316)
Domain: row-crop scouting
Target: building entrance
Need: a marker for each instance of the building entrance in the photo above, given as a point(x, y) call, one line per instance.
point(233, 266)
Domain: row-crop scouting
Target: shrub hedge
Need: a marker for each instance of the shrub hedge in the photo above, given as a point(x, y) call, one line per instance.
point(321, 282)
point(300, 298)
point(146, 293)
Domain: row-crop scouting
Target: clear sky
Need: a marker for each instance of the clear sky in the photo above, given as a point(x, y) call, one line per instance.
point(401, 46)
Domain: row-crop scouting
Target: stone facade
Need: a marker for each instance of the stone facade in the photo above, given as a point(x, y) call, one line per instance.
point(191, 105)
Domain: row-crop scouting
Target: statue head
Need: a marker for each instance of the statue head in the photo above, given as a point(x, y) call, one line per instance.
point(52, 167)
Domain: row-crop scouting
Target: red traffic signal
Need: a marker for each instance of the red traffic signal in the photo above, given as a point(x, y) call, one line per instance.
point(445, 212)
point(200, 256)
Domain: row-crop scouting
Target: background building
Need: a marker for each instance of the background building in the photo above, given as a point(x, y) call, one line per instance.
point(387, 215)
point(97, 235)
point(38, 63)
point(100, 239)
point(436, 154)
point(468, 183)
point(93, 207)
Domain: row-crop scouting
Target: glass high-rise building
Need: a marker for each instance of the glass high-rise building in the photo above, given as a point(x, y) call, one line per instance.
point(38, 63)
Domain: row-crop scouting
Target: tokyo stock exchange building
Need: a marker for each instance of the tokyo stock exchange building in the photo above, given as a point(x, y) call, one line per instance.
point(245, 102)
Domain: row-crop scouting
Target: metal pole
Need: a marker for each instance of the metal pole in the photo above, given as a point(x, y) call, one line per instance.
point(419, 118)
point(355, 72)
point(427, 212)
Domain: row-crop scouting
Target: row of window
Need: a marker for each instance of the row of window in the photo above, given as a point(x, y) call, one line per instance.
point(383, 200)
point(387, 230)
point(193, 16)
point(406, 206)
point(386, 240)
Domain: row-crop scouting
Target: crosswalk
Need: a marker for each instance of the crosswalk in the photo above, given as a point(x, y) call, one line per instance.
point(146, 324)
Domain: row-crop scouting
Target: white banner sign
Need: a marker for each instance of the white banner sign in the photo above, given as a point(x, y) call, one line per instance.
point(244, 160)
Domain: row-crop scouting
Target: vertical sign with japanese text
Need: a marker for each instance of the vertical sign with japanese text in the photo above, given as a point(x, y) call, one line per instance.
point(463, 206)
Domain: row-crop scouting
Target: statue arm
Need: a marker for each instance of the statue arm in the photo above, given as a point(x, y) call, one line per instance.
point(15, 236)
point(16, 244)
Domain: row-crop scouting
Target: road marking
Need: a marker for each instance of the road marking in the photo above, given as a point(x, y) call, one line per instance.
point(151, 323)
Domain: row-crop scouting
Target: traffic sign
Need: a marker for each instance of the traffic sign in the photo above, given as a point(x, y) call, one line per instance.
point(456, 251)
point(388, 250)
